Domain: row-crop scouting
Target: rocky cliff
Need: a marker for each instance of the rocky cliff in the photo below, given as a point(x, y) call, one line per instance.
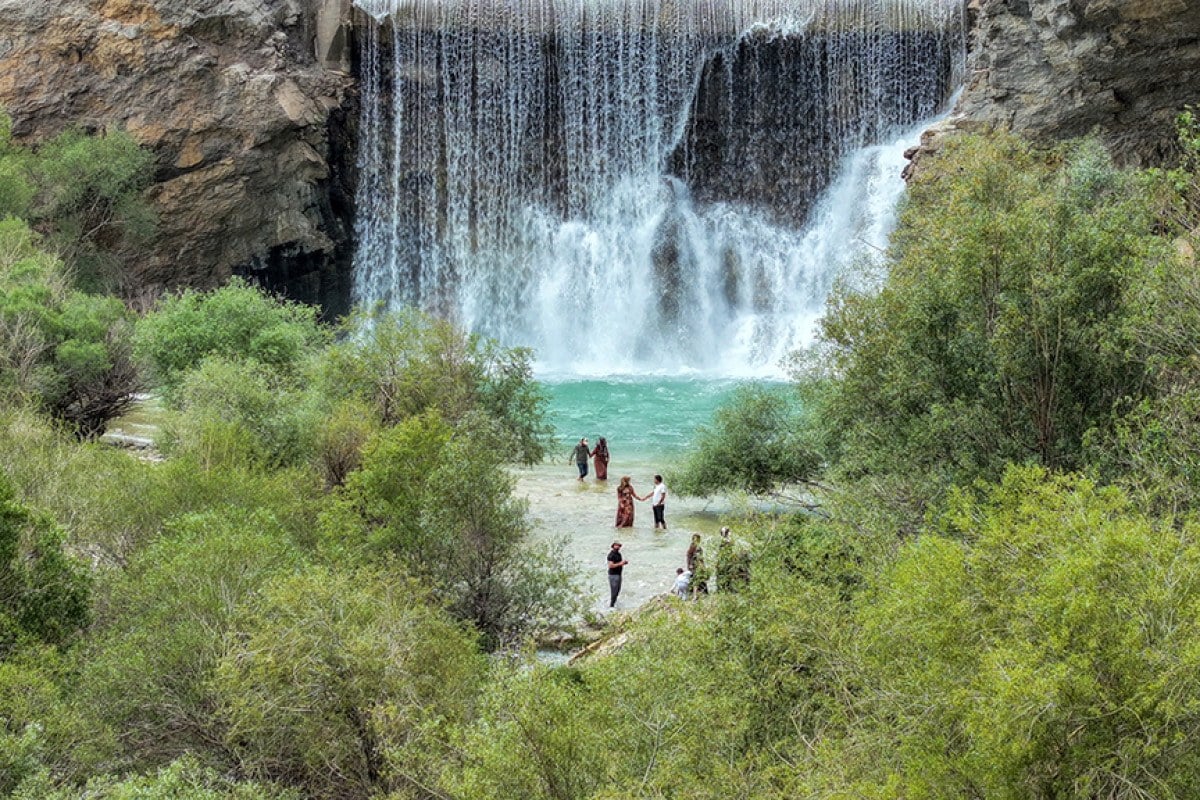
point(230, 96)
point(1055, 69)
point(247, 106)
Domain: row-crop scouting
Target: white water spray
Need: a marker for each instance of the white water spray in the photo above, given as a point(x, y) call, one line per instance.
point(638, 185)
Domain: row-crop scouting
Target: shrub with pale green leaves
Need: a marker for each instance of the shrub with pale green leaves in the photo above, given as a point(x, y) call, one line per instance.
point(237, 322)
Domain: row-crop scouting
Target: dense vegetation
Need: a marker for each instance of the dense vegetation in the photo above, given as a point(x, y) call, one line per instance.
point(992, 588)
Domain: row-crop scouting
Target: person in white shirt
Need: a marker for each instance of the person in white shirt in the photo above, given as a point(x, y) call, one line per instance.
point(683, 580)
point(658, 501)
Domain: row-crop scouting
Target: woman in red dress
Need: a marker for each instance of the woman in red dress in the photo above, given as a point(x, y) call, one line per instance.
point(600, 457)
point(625, 497)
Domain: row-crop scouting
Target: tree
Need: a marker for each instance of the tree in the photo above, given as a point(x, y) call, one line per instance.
point(68, 351)
point(44, 594)
point(405, 363)
point(753, 445)
point(149, 669)
point(998, 334)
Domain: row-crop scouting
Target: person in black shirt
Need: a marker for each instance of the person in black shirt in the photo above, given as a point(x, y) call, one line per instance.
point(615, 564)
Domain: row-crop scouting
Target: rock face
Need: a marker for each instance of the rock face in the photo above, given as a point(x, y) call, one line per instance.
point(1055, 69)
point(229, 96)
point(248, 108)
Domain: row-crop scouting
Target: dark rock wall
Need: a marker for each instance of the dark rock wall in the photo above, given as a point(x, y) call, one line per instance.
point(229, 97)
point(1055, 69)
point(255, 136)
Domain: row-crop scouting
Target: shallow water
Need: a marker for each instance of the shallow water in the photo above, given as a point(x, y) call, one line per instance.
point(648, 422)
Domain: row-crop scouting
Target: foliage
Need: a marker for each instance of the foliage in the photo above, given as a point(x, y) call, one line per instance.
point(343, 683)
point(1040, 644)
point(149, 670)
point(662, 716)
point(43, 593)
point(183, 779)
point(998, 335)
point(341, 437)
point(405, 363)
point(752, 445)
point(84, 192)
point(237, 322)
point(68, 350)
point(240, 412)
point(42, 731)
point(439, 500)
point(112, 505)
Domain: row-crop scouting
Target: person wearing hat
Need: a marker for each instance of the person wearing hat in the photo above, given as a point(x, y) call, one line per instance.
point(616, 562)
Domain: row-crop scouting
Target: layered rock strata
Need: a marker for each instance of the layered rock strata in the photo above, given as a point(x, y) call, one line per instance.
point(1058, 69)
point(230, 97)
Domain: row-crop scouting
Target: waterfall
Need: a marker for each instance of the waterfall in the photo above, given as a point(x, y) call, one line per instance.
point(638, 185)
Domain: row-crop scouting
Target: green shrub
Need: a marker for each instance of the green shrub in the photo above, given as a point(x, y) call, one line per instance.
point(344, 684)
point(43, 592)
point(1040, 644)
point(752, 445)
point(440, 501)
point(84, 193)
point(183, 779)
point(68, 351)
point(999, 333)
point(148, 672)
point(238, 412)
point(407, 363)
point(236, 322)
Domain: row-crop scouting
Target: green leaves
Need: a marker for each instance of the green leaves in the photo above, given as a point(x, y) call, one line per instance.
point(44, 594)
point(999, 333)
point(754, 445)
point(1050, 626)
point(66, 350)
point(236, 322)
point(83, 192)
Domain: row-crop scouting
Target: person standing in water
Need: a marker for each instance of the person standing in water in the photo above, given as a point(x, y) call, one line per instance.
point(658, 500)
point(625, 497)
point(615, 564)
point(600, 455)
point(581, 453)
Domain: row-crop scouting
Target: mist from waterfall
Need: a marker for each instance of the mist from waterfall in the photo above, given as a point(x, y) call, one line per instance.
point(633, 186)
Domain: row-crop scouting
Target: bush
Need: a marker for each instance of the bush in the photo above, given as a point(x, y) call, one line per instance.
point(341, 438)
point(84, 193)
point(752, 445)
point(149, 671)
point(239, 412)
point(441, 502)
point(406, 363)
point(43, 593)
point(344, 684)
point(184, 779)
point(237, 322)
point(69, 351)
point(1040, 644)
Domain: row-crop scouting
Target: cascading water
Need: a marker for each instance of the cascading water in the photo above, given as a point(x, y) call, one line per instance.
point(638, 185)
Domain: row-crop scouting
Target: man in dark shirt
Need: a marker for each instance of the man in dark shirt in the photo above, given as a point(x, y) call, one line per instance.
point(615, 564)
point(581, 458)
